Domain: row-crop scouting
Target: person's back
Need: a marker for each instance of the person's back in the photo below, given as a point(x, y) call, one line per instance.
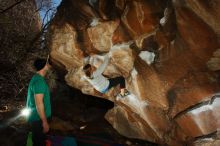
point(95, 77)
point(38, 85)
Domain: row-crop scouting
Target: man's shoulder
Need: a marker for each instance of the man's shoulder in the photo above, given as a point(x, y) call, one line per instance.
point(34, 77)
point(37, 79)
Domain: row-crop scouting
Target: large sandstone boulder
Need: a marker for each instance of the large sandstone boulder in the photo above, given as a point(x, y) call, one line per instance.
point(166, 51)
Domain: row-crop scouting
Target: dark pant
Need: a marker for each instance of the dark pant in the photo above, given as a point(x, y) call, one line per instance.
point(115, 81)
point(38, 137)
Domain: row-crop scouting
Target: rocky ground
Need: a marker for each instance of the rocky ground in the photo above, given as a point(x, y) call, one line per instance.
point(74, 114)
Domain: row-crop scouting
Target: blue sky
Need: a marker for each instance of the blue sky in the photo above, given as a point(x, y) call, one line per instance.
point(55, 4)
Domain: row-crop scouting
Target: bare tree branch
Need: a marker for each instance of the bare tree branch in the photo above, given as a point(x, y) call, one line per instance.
point(47, 14)
point(12, 6)
point(37, 37)
point(43, 4)
point(40, 7)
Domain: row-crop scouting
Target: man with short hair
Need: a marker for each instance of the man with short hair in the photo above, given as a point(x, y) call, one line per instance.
point(38, 101)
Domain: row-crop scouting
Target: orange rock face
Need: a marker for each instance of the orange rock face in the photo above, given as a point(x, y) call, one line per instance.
point(166, 51)
point(140, 17)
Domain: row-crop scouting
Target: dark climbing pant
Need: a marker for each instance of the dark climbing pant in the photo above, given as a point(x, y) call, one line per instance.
point(115, 81)
point(38, 137)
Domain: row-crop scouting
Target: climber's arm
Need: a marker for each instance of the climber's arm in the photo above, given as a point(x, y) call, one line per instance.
point(102, 67)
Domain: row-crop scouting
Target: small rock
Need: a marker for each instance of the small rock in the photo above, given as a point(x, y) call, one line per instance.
point(83, 127)
point(128, 142)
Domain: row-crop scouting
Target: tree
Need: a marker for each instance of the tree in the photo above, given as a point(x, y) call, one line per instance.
point(22, 37)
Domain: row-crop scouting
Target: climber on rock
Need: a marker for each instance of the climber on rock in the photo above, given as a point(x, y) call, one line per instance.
point(102, 84)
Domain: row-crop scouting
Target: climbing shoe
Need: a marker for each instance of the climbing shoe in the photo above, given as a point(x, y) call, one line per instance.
point(125, 94)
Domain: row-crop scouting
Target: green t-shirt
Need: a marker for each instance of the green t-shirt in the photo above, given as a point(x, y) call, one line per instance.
point(38, 85)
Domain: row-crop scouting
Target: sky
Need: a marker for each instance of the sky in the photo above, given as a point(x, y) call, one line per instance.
point(55, 4)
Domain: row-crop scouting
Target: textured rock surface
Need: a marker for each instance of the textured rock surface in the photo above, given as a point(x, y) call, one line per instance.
point(167, 52)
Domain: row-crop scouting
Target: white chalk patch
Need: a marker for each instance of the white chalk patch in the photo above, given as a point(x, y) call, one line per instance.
point(216, 103)
point(95, 21)
point(147, 56)
point(132, 101)
point(83, 127)
point(207, 139)
point(135, 101)
point(163, 21)
point(165, 17)
point(134, 73)
point(201, 109)
point(121, 46)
